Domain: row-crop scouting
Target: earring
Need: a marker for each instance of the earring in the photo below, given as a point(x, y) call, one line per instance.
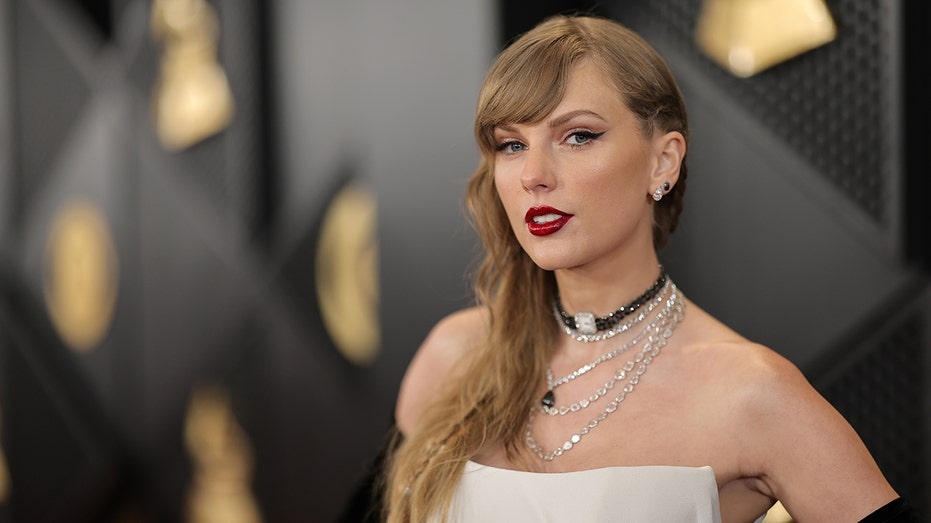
point(660, 190)
point(658, 194)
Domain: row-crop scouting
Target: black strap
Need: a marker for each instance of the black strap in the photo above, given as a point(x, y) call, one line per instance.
point(896, 511)
point(365, 504)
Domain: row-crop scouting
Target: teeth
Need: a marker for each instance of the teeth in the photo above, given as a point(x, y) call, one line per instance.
point(546, 218)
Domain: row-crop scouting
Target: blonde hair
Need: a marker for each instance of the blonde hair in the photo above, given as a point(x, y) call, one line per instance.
point(489, 403)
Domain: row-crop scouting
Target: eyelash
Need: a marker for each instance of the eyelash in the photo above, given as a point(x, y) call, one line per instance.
point(587, 135)
point(504, 145)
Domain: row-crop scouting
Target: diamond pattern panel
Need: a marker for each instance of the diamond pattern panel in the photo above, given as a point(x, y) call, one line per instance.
point(828, 104)
point(880, 392)
point(225, 166)
point(49, 94)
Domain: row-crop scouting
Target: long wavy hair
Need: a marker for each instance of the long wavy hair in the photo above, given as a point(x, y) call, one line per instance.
point(489, 403)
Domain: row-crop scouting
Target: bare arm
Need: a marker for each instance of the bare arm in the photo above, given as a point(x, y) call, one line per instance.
point(803, 451)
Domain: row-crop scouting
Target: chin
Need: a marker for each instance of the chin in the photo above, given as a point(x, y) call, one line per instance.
point(549, 262)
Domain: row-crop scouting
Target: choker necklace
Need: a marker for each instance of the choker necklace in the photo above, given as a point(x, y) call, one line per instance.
point(586, 324)
point(638, 366)
point(617, 329)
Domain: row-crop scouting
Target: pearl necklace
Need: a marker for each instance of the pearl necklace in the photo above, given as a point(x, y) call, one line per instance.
point(637, 367)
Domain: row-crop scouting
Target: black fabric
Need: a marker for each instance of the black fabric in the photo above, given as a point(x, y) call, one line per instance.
point(896, 511)
point(365, 504)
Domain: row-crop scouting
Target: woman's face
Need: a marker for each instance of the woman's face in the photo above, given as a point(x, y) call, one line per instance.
point(576, 185)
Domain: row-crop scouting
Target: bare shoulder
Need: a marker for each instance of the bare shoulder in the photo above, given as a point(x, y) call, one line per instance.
point(438, 359)
point(736, 366)
point(786, 435)
point(708, 344)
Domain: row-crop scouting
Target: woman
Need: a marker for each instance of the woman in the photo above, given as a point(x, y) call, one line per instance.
point(537, 403)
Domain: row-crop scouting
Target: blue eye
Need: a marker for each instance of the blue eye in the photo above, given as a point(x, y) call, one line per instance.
point(510, 147)
point(579, 138)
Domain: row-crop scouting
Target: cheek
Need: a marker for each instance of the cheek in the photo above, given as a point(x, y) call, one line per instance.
point(626, 177)
point(619, 189)
point(506, 190)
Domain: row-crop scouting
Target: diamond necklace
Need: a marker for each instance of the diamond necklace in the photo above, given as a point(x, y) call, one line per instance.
point(655, 298)
point(586, 324)
point(657, 340)
point(626, 326)
point(548, 403)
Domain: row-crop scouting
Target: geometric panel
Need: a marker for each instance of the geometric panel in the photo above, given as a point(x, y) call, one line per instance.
point(880, 390)
point(44, 111)
point(916, 17)
point(62, 452)
point(829, 105)
point(223, 167)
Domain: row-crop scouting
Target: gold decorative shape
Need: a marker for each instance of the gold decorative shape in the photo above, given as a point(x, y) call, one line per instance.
point(81, 275)
point(748, 36)
point(222, 461)
point(347, 274)
point(192, 98)
point(778, 514)
point(4, 479)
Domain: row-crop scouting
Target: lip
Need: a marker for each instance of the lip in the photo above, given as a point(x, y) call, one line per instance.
point(545, 229)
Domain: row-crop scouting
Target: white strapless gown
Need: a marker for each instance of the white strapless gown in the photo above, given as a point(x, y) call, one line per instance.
point(648, 494)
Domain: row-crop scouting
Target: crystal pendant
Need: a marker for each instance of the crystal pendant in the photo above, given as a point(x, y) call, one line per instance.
point(549, 399)
point(585, 323)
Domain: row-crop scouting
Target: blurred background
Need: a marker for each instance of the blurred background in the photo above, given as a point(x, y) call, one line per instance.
point(226, 226)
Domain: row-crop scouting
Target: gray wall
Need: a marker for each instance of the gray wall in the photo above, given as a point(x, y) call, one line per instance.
point(793, 225)
point(766, 243)
point(5, 120)
point(775, 241)
point(387, 88)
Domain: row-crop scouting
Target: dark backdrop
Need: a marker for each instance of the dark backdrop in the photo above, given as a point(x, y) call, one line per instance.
point(804, 229)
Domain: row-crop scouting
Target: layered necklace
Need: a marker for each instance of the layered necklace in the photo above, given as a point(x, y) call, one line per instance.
point(549, 399)
point(652, 338)
point(586, 327)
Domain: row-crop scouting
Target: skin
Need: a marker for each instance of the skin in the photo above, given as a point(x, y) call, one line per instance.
point(711, 397)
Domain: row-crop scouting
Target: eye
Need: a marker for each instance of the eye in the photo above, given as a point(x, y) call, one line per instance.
point(579, 138)
point(510, 147)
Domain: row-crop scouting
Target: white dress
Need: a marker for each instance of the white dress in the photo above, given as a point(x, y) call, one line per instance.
point(628, 494)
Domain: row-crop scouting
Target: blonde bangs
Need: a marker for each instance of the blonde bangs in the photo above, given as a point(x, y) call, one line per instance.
point(528, 81)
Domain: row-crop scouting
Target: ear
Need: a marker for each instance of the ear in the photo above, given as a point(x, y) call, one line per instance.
point(669, 151)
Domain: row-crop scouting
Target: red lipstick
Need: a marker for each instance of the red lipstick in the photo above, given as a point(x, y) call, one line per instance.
point(545, 220)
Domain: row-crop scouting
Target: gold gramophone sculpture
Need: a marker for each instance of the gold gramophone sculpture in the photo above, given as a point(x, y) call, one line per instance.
point(748, 36)
point(222, 461)
point(192, 99)
point(347, 274)
point(81, 275)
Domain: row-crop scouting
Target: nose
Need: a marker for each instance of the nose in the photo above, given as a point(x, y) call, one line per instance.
point(537, 174)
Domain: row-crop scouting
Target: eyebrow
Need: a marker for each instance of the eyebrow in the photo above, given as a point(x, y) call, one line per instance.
point(572, 114)
point(558, 121)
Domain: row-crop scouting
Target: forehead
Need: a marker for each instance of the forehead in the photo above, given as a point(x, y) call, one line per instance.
point(589, 85)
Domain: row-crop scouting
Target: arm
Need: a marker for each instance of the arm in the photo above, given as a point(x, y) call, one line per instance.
point(803, 451)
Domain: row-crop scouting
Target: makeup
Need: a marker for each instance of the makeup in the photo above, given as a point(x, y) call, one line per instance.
point(545, 220)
